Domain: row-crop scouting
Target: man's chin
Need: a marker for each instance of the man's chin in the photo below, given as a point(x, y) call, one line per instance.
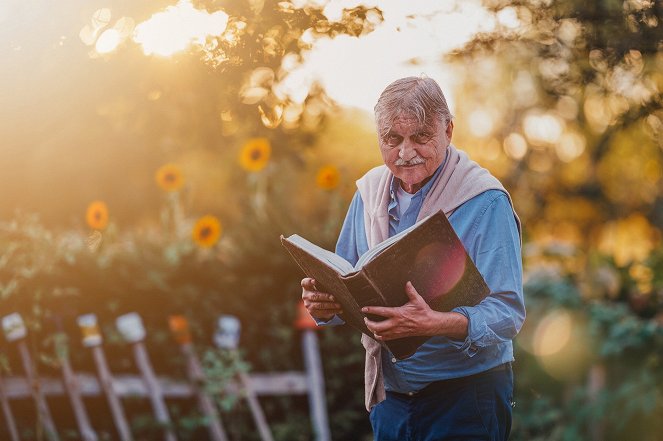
point(412, 181)
point(411, 175)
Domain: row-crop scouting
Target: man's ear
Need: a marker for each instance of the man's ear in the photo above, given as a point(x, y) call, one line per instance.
point(450, 129)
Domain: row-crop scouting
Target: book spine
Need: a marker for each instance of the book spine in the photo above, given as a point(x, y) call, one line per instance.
point(364, 293)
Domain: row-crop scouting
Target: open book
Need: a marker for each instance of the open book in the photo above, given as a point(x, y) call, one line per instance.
point(429, 254)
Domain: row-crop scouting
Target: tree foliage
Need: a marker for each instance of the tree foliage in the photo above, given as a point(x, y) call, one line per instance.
point(572, 91)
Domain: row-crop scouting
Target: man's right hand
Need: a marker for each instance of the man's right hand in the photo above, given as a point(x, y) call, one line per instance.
point(320, 305)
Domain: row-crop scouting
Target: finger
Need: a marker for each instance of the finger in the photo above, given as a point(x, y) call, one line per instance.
point(308, 284)
point(386, 337)
point(316, 296)
point(370, 325)
point(379, 310)
point(412, 293)
point(379, 327)
point(326, 306)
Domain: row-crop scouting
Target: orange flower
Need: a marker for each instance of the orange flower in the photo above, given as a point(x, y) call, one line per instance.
point(255, 154)
point(207, 231)
point(179, 326)
point(169, 177)
point(97, 215)
point(328, 177)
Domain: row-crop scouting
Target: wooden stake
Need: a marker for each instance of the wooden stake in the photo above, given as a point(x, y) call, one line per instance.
point(595, 384)
point(226, 337)
point(131, 327)
point(42, 407)
point(92, 339)
point(9, 416)
point(106, 380)
point(179, 326)
point(154, 390)
point(316, 385)
point(74, 392)
point(256, 410)
point(197, 377)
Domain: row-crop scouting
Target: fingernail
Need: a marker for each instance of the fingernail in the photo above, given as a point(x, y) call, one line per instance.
point(364, 309)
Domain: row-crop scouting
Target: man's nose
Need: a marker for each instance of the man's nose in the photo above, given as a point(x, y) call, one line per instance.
point(407, 151)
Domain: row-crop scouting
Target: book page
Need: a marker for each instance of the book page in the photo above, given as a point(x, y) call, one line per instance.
point(333, 259)
point(321, 265)
point(370, 254)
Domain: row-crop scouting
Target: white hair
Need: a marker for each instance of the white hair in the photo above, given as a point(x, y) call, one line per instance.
point(418, 97)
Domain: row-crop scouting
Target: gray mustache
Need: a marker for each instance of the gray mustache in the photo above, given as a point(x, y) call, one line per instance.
point(414, 161)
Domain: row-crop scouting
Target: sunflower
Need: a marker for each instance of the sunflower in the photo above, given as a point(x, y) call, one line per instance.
point(169, 177)
point(207, 231)
point(255, 154)
point(97, 215)
point(328, 177)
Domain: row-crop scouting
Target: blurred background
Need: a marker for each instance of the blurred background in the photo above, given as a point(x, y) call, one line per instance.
point(151, 153)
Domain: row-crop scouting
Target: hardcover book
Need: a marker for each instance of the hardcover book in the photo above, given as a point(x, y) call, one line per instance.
point(429, 254)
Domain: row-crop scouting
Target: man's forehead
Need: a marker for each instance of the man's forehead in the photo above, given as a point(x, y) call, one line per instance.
point(406, 120)
point(410, 122)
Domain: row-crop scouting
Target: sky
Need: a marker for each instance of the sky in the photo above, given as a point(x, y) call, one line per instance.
point(411, 40)
point(373, 61)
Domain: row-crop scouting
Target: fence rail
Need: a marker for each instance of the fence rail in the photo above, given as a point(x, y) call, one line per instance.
point(126, 386)
point(156, 389)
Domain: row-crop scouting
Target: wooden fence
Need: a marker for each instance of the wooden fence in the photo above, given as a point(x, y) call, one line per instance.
point(115, 388)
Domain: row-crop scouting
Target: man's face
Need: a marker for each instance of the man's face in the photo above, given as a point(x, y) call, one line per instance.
point(413, 151)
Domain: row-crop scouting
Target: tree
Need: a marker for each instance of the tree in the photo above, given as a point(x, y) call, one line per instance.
point(564, 101)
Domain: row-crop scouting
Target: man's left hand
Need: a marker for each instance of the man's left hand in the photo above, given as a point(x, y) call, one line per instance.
point(414, 318)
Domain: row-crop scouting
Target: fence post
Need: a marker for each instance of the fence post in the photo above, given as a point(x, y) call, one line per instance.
point(314, 374)
point(74, 392)
point(9, 416)
point(227, 337)
point(92, 339)
point(131, 327)
point(15, 330)
point(179, 326)
point(596, 383)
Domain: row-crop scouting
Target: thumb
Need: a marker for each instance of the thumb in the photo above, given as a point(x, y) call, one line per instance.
point(412, 293)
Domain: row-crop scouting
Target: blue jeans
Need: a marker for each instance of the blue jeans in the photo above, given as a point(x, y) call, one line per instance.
point(477, 407)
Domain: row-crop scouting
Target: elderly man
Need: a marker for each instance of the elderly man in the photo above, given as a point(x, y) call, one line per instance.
point(459, 384)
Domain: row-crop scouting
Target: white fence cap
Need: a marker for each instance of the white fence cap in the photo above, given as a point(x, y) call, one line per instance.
point(90, 330)
point(14, 327)
point(227, 332)
point(131, 327)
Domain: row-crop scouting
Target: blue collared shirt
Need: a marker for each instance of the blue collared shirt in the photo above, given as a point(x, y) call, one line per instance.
point(488, 230)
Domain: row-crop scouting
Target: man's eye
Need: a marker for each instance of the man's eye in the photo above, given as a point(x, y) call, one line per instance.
point(393, 140)
point(422, 138)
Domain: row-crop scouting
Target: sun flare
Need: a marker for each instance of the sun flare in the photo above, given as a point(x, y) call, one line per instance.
point(178, 27)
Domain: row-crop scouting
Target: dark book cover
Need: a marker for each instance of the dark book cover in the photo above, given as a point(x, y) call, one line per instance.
point(430, 255)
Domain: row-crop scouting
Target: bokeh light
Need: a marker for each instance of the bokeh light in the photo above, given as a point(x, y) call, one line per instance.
point(570, 146)
point(542, 129)
point(552, 333)
point(515, 145)
point(108, 41)
point(481, 123)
